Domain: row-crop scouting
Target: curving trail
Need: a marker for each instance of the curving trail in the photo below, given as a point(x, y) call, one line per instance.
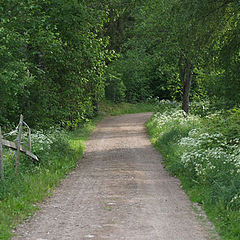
point(119, 191)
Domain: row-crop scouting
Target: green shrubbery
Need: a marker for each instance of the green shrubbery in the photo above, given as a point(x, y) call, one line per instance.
point(52, 61)
point(58, 152)
point(204, 152)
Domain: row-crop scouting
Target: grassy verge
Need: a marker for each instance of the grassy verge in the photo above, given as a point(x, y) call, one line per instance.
point(204, 153)
point(113, 109)
point(59, 152)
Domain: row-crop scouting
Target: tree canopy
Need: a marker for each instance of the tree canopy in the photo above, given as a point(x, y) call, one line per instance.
point(60, 58)
point(176, 44)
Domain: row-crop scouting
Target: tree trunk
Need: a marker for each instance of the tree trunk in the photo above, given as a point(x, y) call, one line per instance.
point(186, 73)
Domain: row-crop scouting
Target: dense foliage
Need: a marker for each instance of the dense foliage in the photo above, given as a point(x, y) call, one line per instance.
point(56, 56)
point(52, 60)
point(59, 152)
point(182, 50)
point(205, 155)
point(60, 58)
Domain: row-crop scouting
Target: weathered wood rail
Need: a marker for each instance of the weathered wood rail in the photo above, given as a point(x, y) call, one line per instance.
point(16, 146)
point(22, 149)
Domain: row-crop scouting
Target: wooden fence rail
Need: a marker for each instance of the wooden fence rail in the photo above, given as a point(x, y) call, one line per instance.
point(16, 146)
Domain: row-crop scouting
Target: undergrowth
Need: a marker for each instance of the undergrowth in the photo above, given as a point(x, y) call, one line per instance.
point(58, 152)
point(151, 105)
point(203, 151)
point(113, 109)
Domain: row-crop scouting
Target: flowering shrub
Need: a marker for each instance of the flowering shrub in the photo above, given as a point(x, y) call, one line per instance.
point(205, 153)
point(172, 119)
point(44, 144)
point(209, 158)
point(45, 141)
point(58, 152)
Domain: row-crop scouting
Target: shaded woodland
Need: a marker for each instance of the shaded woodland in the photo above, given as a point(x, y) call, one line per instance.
point(59, 59)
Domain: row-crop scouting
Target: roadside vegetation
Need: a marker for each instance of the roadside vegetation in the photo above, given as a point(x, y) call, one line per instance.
point(111, 108)
point(64, 64)
point(203, 150)
point(198, 148)
point(59, 152)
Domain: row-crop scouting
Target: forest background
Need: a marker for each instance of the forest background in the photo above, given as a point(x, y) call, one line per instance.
point(59, 59)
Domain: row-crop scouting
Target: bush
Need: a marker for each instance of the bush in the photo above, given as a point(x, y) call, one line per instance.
point(204, 153)
point(115, 89)
point(58, 152)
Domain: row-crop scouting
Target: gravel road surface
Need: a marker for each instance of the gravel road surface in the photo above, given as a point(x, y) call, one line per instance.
point(119, 191)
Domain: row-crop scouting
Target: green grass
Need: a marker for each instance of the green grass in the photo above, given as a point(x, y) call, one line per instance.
point(114, 109)
point(20, 196)
point(213, 190)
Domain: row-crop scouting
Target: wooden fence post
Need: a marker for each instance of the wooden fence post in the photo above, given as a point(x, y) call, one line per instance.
point(29, 137)
point(29, 140)
point(19, 138)
point(1, 157)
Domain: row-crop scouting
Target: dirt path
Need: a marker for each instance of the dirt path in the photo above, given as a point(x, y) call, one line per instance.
point(119, 191)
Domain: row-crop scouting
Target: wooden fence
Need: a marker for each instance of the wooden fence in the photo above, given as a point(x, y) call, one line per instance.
point(16, 146)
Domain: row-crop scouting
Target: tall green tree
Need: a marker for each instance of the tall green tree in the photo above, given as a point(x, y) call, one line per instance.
point(175, 43)
point(53, 58)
